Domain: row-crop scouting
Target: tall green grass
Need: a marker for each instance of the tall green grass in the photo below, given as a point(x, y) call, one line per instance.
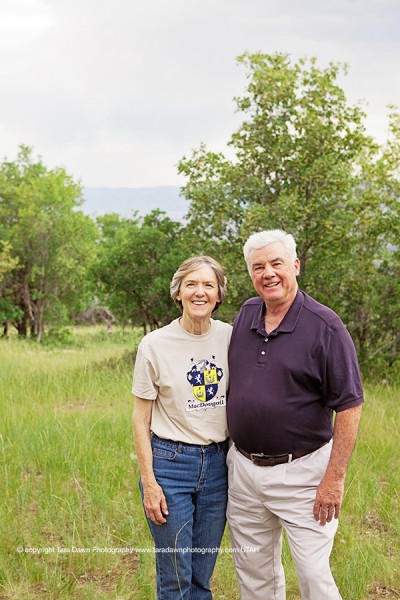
point(68, 483)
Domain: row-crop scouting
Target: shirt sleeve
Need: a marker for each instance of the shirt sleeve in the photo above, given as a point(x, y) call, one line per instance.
point(342, 386)
point(143, 384)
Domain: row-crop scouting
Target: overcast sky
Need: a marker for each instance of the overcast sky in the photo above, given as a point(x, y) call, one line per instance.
point(117, 91)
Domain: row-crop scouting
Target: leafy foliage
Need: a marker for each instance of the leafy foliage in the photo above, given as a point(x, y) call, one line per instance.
point(134, 266)
point(304, 163)
point(46, 240)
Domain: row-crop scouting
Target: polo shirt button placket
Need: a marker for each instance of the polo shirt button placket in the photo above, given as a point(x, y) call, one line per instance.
point(263, 351)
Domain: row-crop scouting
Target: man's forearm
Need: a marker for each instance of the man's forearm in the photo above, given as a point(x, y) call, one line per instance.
point(344, 439)
point(330, 491)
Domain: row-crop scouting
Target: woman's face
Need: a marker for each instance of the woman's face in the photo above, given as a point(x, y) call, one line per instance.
point(199, 293)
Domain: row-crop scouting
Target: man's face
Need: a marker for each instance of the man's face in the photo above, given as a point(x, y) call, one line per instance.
point(274, 273)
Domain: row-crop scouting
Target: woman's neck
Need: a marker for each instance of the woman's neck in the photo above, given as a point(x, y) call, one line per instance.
point(197, 327)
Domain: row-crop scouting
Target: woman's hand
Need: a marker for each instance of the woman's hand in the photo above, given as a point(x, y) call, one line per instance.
point(155, 503)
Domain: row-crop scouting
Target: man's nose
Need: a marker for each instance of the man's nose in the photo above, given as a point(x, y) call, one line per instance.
point(268, 271)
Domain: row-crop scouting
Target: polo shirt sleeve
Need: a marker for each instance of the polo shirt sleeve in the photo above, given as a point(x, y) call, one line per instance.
point(342, 386)
point(143, 384)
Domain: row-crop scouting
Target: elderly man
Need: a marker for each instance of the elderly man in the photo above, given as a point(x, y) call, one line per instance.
point(292, 363)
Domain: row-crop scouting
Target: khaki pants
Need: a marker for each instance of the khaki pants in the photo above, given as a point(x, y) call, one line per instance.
point(261, 501)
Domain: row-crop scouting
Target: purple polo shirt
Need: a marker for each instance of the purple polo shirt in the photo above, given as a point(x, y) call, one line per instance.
point(284, 386)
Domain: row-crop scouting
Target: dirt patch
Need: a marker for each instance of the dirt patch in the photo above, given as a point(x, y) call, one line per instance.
point(76, 406)
point(381, 591)
point(27, 474)
point(372, 524)
point(39, 589)
point(106, 581)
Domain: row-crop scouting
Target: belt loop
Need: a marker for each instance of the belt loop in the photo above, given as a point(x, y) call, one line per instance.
point(290, 458)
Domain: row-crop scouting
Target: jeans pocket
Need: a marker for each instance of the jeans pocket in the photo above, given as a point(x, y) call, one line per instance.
point(164, 453)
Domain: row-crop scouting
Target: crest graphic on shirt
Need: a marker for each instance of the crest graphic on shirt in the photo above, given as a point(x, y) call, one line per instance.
point(204, 376)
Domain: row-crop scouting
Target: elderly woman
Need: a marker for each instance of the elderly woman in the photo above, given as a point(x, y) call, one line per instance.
point(179, 421)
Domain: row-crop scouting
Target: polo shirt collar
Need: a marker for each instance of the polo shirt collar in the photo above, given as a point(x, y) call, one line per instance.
point(288, 322)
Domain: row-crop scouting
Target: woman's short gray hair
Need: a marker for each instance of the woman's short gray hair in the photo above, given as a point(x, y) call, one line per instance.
point(263, 238)
point(191, 264)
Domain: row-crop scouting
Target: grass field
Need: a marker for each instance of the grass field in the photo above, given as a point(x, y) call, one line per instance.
point(71, 520)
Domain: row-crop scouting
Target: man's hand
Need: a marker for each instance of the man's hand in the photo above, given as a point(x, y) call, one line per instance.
point(155, 503)
point(328, 499)
point(330, 491)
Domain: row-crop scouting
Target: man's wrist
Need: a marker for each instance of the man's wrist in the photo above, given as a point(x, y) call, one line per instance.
point(336, 472)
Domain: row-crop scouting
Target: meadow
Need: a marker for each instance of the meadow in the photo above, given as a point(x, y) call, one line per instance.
point(71, 520)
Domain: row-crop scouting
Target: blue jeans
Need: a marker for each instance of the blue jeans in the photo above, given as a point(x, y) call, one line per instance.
point(194, 481)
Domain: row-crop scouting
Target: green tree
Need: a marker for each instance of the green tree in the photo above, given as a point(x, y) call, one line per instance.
point(369, 292)
point(51, 242)
point(302, 162)
point(135, 263)
point(7, 262)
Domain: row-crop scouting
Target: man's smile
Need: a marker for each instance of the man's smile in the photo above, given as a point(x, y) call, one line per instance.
point(269, 285)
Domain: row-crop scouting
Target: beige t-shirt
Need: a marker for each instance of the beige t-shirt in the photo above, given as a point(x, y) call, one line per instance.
point(186, 376)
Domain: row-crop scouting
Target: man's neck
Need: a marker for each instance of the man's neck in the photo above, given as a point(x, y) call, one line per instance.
point(275, 314)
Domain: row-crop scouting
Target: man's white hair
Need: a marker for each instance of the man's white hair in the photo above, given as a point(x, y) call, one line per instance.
point(263, 238)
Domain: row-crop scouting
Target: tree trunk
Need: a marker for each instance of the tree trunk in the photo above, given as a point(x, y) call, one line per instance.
point(22, 327)
point(39, 312)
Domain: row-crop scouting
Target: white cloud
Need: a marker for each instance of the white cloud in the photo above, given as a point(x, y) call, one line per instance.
point(22, 21)
point(118, 91)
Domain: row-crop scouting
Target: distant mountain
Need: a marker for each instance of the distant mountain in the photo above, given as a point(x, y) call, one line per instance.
point(125, 201)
